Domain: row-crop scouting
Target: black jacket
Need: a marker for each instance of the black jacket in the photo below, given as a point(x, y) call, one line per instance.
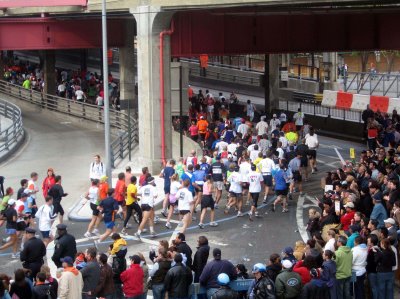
point(178, 280)
point(200, 261)
point(184, 248)
point(42, 291)
point(263, 288)
point(90, 276)
point(225, 293)
point(33, 252)
point(57, 192)
point(65, 246)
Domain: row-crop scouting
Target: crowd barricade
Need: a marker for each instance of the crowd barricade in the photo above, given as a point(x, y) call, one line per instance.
point(359, 102)
point(197, 291)
point(329, 98)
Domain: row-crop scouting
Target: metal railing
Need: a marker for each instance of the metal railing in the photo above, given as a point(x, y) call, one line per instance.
point(13, 134)
point(195, 70)
point(373, 83)
point(304, 72)
point(124, 127)
point(318, 110)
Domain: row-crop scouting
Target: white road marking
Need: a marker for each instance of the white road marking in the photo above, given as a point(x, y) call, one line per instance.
point(299, 218)
point(340, 156)
point(329, 146)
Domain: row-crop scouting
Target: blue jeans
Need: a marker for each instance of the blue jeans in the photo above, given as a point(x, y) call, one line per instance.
point(385, 284)
point(359, 290)
point(343, 288)
point(211, 292)
point(158, 291)
point(373, 284)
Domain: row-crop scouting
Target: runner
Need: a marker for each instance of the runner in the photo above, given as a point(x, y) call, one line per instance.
point(235, 191)
point(57, 193)
point(244, 170)
point(255, 180)
point(11, 229)
point(120, 194)
point(199, 178)
point(265, 167)
point(46, 216)
point(97, 168)
point(302, 149)
point(312, 143)
point(217, 171)
point(294, 166)
point(109, 208)
point(185, 204)
point(131, 204)
point(298, 117)
point(167, 173)
point(172, 201)
point(93, 196)
point(4, 204)
point(148, 195)
point(281, 187)
point(207, 202)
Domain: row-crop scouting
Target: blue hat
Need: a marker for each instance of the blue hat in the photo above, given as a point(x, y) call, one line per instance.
point(288, 250)
point(61, 226)
point(67, 260)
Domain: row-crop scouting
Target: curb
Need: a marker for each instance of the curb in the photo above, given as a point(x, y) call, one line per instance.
point(73, 214)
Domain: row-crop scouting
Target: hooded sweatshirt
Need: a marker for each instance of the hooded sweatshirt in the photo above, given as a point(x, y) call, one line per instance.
point(360, 253)
point(344, 261)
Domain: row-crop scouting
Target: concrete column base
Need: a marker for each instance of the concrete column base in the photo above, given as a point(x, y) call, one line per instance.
point(49, 71)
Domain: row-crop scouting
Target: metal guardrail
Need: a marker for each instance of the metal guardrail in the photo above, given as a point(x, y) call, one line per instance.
point(125, 127)
point(13, 134)
point(318, 110)
point(373, 83)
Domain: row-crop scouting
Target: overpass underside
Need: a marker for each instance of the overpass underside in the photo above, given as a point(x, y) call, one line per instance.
point(312, 26)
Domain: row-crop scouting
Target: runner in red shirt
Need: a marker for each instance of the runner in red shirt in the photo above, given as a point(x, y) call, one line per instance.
point(120, 192)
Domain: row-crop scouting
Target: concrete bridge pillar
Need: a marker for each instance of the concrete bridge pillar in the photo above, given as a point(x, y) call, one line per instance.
point(127, 68)
point(150, 23)
point(49, 71)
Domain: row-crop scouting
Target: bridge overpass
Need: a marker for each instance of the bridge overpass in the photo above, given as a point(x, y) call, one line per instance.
point(163, 30)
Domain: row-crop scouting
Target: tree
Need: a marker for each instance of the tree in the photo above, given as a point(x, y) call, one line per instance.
point(390, 56)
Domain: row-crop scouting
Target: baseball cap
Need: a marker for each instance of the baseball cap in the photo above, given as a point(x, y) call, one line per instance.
point(30, 230)
point(11, 201)
point(217, 253)
point(390, 220)
point(67, 260)
point(288, 250)
point(349, 205)
point(287, 264)
point(61, 226)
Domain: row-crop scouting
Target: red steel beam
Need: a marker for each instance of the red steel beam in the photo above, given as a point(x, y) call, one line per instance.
point(235, 34)
point(40, 3)
point(47, 33)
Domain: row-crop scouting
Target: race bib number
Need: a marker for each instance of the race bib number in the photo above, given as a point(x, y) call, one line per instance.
point(181, 196)
point(146, 192)
point(217, 171)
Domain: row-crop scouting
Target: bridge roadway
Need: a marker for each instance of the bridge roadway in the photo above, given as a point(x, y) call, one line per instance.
point(68, 146)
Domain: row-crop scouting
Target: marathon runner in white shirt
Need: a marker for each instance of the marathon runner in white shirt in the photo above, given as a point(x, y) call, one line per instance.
point(148, 195)
point(185, 202)
point(235, 190)
point(255, 180)
point(265, 167)
point(312, 143)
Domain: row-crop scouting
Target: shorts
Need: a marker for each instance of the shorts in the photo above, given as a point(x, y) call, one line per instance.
point(218, 185)
point(172, 200)
point(268, 180)
point(167, 189)
point(58, 209)
point(109, 224)
point(281, 192)
point(202, 136)
point(11, 231)
point(122, 203)
point(45, 234)
point(245, 185)
point(184, 212)
point(194, 137)
point(297, 177)
point(146, 208)
point(207, 202)
point(210, 108)
point(95, 211)
point(21, 226)
point(303, 161)
point(254, 197)
point(233, 194)
point(312, 154)
point(199, 189)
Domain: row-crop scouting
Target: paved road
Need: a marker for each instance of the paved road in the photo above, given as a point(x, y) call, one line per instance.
point(67, 145)
point(243, 241)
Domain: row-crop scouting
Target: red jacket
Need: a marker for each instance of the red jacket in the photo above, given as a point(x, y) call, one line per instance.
point(303, 272)
point(345, 220)
point(132, 280)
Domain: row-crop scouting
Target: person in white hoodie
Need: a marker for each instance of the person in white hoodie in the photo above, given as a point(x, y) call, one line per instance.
point(360, 253)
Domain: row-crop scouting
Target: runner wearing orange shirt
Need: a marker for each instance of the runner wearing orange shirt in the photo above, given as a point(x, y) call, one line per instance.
point(202, 124)
point(120, 193)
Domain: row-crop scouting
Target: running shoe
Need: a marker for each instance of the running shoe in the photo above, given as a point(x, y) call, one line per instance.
point(239, 214)
point(213, 224)
point(96, 232)
point(285, 210)
point(156, 219)
point(87, 235)
point(168, 225)
point(256, 214)
point(123, 231)
point(201, 225)
point(153, 234)
point(273, 208)
point(226, 210)
point(216, 206)
point(137, 235)
point(15, 256)
point(250, 216)
point(164, 213)
point(144, 230)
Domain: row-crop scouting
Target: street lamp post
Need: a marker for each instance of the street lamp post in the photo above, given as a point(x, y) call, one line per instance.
point(106, 96)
